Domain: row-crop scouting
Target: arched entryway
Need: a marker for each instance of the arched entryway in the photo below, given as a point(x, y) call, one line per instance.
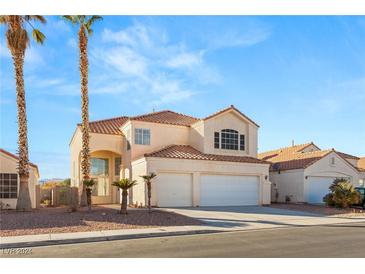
point(105, 169)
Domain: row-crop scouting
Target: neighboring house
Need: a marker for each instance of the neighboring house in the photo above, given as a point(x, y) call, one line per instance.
point(361, 166)
point(9, 180)
point(199, 162)
point(304, 172)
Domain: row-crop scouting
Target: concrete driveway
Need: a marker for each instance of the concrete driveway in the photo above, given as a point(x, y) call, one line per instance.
point(256, 217)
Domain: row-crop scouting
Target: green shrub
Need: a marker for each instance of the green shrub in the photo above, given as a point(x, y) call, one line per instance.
point(342, 194)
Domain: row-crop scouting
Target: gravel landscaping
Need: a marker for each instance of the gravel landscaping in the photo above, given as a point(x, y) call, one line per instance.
point(58, 220)
point(320, 209)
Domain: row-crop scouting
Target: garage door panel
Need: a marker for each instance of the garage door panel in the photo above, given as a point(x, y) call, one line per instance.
point(317, 188)
point(222, 190)
point(174, 190)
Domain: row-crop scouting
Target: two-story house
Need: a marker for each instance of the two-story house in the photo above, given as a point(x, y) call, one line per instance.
point(199, 162)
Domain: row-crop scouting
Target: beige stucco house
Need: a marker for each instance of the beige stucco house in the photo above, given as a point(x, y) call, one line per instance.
point(198, 162)
point(304, 172)
point(9, 180)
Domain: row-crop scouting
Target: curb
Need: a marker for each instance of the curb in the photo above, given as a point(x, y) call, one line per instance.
point(106, 238)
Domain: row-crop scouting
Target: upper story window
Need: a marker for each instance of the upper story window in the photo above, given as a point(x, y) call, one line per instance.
point(142, 136)
point(229, 139)
point(333, 161)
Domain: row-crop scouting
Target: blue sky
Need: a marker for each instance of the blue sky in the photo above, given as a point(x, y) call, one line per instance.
point(300, 78)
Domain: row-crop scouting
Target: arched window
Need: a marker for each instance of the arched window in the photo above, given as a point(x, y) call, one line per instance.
point(229, 139)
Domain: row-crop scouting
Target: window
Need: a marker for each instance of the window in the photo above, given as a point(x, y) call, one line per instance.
point(216, 139)
point(99, 167)
point(128, 139)
point(117, 163)
point(229, 139)
point(8, 185)
point(242, 142)
point(142, 136)
point(333, 161)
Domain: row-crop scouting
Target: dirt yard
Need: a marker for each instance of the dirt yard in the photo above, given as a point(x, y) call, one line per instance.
point(58, 220)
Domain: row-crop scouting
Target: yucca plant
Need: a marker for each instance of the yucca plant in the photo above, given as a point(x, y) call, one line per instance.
point(148, 180)
point(85, 24)
point(17, 39)
point(343, 194)
point(89, 188)
point(124, 185)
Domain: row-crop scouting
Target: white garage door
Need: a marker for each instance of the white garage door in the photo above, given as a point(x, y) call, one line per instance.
point(174, 190)
point(222, 190)
point(317, 188)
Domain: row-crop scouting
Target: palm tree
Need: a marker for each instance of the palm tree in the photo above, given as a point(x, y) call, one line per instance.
point(89, 187)
point(124, 185)
point(17, 39)
point(85, 29)
point(148, 180)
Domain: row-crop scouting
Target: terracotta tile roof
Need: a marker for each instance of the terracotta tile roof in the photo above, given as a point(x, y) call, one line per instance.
point(107, 126)
point(347, 156)
point(227, 109)
point(16, 157)
point(190, 153)
point(167, 117)
point(112, 126)
point(285, 150)
point(297, 160)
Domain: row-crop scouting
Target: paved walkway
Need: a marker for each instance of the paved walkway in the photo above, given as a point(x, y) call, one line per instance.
point(216, 219)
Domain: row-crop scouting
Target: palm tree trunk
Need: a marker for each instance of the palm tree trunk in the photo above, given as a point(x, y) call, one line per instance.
point(149, 196)
point(85, 152)
point(23, 202)
point(123, 208)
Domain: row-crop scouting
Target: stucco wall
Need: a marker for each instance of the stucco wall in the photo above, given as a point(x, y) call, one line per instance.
point(161, 135)
point(341, 168)
point(9, 165)
point(289, 183)
point(98, 142)
point(230, 120)
point(139, 168)
point(196, 168)
point(294, 182)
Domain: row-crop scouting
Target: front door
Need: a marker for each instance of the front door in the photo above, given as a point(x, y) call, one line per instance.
point(101, 193)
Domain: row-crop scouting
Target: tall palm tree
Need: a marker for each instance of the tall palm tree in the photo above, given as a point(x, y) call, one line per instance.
point(148, 180)
point(124, 185)
point(17, 39)
point(85, 29)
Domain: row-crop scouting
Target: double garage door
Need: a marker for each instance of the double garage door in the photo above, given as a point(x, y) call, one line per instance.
point(176, 190)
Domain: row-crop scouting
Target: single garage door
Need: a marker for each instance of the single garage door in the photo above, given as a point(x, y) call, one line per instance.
point(222, 190)
point(174, 190)
point(317, 188)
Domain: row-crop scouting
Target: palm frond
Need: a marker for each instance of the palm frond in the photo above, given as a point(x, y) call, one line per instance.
point(38, 36)
point(3, 19)
point(125, 184)
point(89, 183)
point(38, 18)
point(69, 18)
point(148, 177)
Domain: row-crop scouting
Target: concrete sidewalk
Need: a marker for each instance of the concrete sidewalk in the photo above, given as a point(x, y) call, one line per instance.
point(214, 227)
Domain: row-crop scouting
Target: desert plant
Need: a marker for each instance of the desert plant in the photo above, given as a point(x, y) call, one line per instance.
point(124, 185)
point(89, 188)
point(17, 39)
point(148, 180)
point(85, 29)
point(342, 194)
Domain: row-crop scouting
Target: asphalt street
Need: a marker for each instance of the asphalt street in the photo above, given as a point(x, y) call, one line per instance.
point(340, 240)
